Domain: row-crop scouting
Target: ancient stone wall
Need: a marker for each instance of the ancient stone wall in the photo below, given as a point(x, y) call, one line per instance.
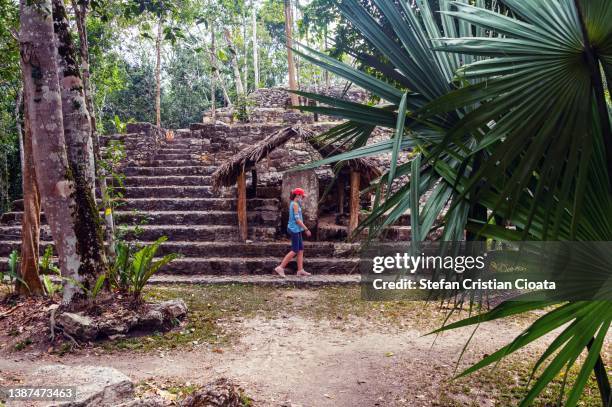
point(144, 139)
point(272, 105)
point(141, 139)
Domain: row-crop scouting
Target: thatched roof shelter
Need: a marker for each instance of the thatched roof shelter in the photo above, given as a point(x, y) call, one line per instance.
point(228, 173)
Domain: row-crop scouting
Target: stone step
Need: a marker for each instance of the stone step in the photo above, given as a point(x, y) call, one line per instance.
point(200, 233)
point(184, 141)
point(163, 171)
point(196, 233)
point(196, 204)
point(183, 204)
point(166, 150)
point(226, 266)
point(275, 249)
point(190, 162)
point(6, 247)
point(256, 217)
point(318, 280)
point(174, 156)
point(165, 191)
point(391, 233)
point(170, 180)
point(257, 265)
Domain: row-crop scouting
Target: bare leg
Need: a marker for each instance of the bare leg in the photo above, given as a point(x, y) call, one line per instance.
point(288, 257)
point(280, 269)
point(300, 260)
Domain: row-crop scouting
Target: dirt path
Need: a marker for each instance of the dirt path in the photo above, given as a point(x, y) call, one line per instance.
point(295, 359)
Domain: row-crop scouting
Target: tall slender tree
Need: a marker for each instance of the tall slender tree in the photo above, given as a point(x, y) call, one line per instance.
point(158, 45)
point(255, 46)
point(213, 70)
point(245, 51)
point(292, 79)
point(234, 62)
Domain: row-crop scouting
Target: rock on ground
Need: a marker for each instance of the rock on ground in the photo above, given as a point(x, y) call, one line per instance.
point(152, 317)
point(96, 385)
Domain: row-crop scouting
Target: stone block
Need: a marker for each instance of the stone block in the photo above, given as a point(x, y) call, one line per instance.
point(96, 385)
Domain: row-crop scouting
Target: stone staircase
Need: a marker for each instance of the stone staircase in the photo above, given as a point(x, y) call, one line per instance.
point(169, 194)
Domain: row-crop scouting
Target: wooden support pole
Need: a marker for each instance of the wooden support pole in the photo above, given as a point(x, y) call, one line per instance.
point(341, 195)
point(354, 203)
point(242, 206)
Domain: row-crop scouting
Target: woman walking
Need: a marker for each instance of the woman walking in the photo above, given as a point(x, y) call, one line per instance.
point(295, 228)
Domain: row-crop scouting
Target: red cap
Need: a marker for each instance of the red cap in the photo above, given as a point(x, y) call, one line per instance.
point(298, 191)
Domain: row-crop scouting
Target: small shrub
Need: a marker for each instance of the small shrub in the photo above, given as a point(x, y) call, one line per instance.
point(241, 109)
point(11, 276)
point(120, 126)
point(23, 344)
point(47, 267)
point(131, 270)
point(50, 287)
point(92, 293)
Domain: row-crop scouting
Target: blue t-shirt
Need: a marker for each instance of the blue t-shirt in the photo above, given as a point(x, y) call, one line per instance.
point(292, 226)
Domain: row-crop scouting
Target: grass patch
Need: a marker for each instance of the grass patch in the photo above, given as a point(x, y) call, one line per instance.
point(507, 383)
point(208, 307)
point(213, 308)
point(21, 345)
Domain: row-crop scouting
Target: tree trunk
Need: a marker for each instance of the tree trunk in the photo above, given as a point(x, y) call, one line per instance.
point(77, 124)
point(245, 66)
point(213, 68)
point(158, 43)
point(255, 48)
point(325, 50)
point(70, 213)
point(234, 62)
point(18, 103)
point(79, 145)
point(30, 222)
point(354, 203)
point(80, 12)
point(228, 101)
point(290, 61)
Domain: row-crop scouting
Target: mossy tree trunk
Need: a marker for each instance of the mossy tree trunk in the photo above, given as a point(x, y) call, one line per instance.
point(292, 76)
point(66, 195)
point(77, 124)
point(158, 44)
point(80, 13)
point(79, 144)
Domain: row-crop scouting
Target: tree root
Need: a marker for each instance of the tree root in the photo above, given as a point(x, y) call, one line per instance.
point(53, 327)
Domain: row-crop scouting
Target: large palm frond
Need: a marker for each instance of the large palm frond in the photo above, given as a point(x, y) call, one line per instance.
point(421, 77)
point(542, 101)
point(515, 121)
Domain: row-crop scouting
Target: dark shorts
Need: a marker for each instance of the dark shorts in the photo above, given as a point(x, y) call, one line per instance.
point(297, 243)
